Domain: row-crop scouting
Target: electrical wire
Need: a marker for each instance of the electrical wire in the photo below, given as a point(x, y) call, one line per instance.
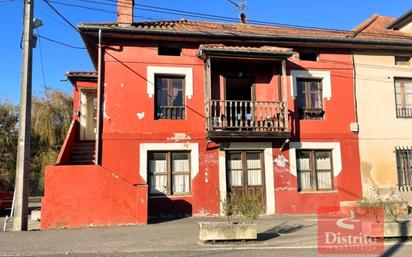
point(59, 42)
point(41, 60)
point(61, 16)
point(163, 10)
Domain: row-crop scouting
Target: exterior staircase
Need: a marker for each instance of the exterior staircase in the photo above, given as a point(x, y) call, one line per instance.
point(83, 153)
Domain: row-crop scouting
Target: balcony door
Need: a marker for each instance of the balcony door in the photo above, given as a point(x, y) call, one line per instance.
point(88, 114)
point(239, 89)
point(245, 174)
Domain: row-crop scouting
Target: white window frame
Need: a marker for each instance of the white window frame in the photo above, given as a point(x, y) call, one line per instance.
point(192, 147)
point(152, 71)
point(311, 74)
point(333, 146)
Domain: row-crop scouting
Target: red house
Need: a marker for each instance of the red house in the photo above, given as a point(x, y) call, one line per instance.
point(181, 113)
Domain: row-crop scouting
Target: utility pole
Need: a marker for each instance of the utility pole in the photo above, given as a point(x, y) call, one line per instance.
point(21, 201)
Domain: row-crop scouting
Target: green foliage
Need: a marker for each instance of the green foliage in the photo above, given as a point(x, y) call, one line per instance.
point(51, 117)
point(8, 140)
point(247, 207)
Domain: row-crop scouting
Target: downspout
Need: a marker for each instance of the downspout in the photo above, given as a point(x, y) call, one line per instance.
point(99, 99)
point(354, 90)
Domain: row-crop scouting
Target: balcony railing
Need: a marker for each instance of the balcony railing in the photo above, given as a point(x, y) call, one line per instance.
point(247, 117)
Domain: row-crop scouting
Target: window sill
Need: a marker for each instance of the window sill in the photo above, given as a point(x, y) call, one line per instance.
point(319, 192)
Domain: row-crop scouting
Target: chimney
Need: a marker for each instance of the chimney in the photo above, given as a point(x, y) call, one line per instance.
point(125, 12)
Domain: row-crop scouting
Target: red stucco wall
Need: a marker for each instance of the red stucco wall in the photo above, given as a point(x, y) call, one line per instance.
point(78, 196)
point(128, 121)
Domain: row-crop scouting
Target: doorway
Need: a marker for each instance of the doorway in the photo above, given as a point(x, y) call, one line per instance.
point(238, 89)
point(88, 114)
point(245, 174)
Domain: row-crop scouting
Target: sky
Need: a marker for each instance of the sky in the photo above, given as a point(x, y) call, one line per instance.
point(53, 60)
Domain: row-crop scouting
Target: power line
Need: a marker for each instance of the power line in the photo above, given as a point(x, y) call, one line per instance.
point(95, 9)
point(60, 43)
point(176, 12)
point(61, 15)
point(41, 61)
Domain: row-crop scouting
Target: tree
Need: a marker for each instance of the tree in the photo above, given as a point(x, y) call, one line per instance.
point(8, 140)
point(51, 117)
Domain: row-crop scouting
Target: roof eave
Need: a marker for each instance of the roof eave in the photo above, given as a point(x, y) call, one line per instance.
point(401, 21)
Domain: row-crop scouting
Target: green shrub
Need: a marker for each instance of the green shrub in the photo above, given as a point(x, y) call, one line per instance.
point(247, 207)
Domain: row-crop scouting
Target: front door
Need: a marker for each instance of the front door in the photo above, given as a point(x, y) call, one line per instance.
point(88, 114)
point(245, 174)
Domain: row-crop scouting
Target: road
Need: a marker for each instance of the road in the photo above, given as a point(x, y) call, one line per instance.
point(279, 235)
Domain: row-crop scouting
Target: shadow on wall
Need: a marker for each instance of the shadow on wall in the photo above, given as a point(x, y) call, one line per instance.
point(164, 209)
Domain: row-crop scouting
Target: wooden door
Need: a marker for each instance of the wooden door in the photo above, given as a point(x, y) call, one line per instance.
point(88, 114)
point(245, 174)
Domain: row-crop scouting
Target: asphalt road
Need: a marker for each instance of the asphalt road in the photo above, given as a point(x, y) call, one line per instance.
point(279, 235)
point(395, 251)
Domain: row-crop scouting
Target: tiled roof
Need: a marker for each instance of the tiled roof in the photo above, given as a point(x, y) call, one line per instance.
point(220, 28)
point(81, 74)
point(373, 29)
point(221, 49)
point(273, 49)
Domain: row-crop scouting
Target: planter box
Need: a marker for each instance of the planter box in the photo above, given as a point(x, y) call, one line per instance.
point(390, 229)
point(211, 231)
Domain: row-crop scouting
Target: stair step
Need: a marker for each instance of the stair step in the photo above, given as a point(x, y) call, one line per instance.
point(80, 162)
point(80, 158)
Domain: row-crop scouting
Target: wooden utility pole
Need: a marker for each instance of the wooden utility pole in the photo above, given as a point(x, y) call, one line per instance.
point(21, 201)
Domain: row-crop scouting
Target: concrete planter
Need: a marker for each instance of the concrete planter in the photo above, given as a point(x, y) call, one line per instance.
point(390, 229)
point(212, 231)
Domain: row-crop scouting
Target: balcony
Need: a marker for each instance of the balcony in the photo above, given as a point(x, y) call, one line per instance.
point(246, 119)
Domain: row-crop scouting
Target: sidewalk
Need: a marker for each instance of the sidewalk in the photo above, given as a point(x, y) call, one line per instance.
point(274, 231)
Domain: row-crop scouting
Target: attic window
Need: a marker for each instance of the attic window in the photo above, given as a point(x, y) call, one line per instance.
point(308, 56)
point(402, 60)
point(169, 50)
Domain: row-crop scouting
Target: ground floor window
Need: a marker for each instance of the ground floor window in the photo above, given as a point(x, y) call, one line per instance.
point(315, 171)
point(169, 173)
point(404, 166)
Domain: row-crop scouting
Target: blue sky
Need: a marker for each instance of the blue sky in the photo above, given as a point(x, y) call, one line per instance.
point(58, 59)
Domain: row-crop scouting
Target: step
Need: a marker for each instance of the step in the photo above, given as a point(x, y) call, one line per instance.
point(81, 162)
point(87, 157)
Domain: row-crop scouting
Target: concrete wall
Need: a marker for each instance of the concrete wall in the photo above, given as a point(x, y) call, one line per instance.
point(380, 130)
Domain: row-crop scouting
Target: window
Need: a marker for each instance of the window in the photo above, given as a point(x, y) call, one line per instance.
point(308, 56)
point(403, 93)
point(402, 60)
point(314, 170)
point(404, 166)
point(309, 99)
point(170, 97)
point(244, 169)
point(169, 173)
point(168, 50)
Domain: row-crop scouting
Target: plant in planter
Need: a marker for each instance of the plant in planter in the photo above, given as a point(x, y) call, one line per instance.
point(240, 212)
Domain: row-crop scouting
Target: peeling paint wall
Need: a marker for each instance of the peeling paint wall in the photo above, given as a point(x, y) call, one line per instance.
point(380, 131)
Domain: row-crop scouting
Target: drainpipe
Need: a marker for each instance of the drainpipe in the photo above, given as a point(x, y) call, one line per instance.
point(99, 99)
point(354, 91)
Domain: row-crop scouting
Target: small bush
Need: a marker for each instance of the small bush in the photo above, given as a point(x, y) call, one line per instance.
point(247, 207)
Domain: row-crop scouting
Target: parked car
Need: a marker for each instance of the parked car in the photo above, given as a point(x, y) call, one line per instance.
point(6, 194)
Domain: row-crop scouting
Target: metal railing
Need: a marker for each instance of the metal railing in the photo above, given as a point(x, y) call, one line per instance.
point(246, 115)
point(170, 112)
